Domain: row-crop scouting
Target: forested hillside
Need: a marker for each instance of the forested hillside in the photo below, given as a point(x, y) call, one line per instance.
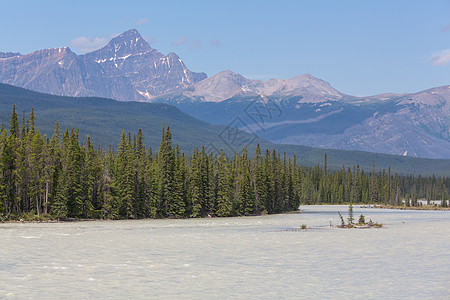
point(103, 120)
point(68, 178)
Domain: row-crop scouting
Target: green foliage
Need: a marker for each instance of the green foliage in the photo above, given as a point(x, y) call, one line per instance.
point(68, 178)
point(444, 202)
point(223, 199)
point(361, 220)
point(342, 219)
point(350, 214)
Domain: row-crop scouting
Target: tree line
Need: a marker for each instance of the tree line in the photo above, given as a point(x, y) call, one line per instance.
point(65, 178)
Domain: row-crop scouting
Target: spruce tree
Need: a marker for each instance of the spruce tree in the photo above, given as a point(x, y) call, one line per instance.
point(123, 180)
point(444, 198)
point(224, 203)
point(74, 163)
point(350, 214)
point(179, 196)
point(373, 186)
point(14, 124)
point(169, 204)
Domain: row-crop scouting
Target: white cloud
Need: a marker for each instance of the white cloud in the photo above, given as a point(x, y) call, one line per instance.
point(215, 43)
point(195, 45)
point(141, 21)
point(440, 58)
point(88, 44)
point(179, 42)
point(446, 28)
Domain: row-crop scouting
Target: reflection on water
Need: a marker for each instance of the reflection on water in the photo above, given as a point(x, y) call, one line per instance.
point(249, 257)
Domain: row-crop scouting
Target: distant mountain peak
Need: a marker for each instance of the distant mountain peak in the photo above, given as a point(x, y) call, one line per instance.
point(227, 72)
point(227, 84)
point(222, 86)
point(131, 32)
point(127, 43)
point(172, 55)
point(230, 75)
point(132, 36)
point(307, 85)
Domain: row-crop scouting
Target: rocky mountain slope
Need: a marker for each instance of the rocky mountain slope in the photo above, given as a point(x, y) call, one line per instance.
point(126, 69)
point(227, 84)
point(308, 111)
point(8, 54)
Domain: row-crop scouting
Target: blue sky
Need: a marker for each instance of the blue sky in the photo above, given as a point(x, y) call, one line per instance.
point(360, 47)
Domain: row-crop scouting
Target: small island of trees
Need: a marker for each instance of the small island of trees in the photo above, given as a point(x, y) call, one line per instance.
point(361, 221)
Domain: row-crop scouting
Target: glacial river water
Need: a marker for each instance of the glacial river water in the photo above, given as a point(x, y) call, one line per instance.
point(231, 258)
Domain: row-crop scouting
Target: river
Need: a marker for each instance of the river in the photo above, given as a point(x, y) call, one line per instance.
point(231, 258)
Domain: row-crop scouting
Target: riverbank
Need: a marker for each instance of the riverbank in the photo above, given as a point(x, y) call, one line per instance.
point(385, 206)
point(47, 218)
point(422, 207)
point(43, 219)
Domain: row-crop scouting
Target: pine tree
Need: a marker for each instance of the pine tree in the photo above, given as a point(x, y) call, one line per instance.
point(59, 206)
point(245, 187)
point(444, 198)
point(140, 182)
point(36, 168)
point(91, 178)
point(224, 203)
point(414, 197)
point(153, 187)
point(389, 188)
point(109, 205)
point(74, 162)
point(179, 197)
point(14, 124)
point(32, 123)
point(123, 178)
point(350, 214)
point(9, 175)
point(373, 186)
point(170, 205)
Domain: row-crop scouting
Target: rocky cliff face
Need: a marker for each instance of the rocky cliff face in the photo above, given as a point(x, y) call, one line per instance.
point(8, 54)
point(56, 71)
point(129, 59)
point(125, 69)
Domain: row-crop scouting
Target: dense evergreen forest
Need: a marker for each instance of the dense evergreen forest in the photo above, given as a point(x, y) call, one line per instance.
point(65, 178)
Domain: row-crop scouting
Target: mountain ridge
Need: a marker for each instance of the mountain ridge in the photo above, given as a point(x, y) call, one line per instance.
point(228, 84)
point(412, 125)
point(127, 68)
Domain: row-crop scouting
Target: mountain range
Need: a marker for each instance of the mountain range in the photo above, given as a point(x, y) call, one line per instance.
point(126, 69)
point(303, 110)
